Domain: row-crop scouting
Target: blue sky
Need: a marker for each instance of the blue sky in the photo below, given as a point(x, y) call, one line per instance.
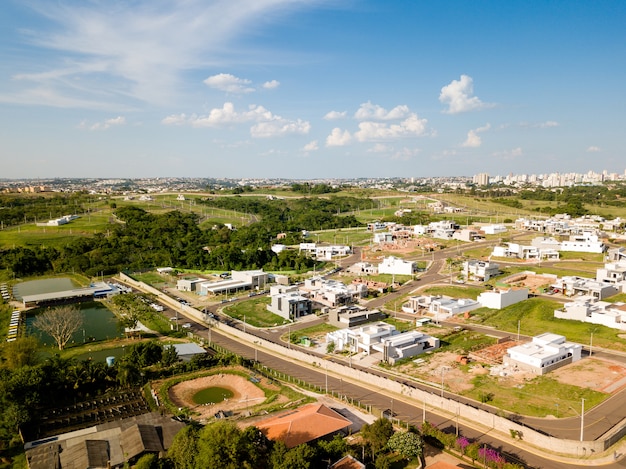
point(310, 88)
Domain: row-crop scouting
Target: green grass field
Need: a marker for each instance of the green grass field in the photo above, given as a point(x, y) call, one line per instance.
point(536, 316)
point(538, 397)
point(255, 312)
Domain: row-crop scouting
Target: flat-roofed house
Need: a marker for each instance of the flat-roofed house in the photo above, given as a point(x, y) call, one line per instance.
point(546, 352)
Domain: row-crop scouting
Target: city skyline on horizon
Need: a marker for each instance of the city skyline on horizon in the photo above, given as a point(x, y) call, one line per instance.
point(308, 89)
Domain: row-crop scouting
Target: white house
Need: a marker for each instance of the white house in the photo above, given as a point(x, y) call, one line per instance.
point(480, 271)
point(593, 311)
point(585, 242)
point(332, 292)
point(502, 298)
point(614, 273)
point(545, 353)
point(383, 338)
point(290, 305)
point(573, 285)
point(445, 307)
point(396, 266)
point(330, 252)
point(516, 250)
point(493, 229)
point(362, 268)
point(467, 234)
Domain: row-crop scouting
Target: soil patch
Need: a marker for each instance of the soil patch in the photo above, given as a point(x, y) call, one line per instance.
point(245, 394)
point(594, 373)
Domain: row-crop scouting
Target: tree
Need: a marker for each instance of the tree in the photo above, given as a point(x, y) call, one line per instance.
point(377, 434)
point(407, 444)
point(184, 448)
point(59, 323)
point(21, 352)
point(298, 457)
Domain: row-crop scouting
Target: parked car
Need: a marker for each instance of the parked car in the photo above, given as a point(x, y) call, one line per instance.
point(187, 325)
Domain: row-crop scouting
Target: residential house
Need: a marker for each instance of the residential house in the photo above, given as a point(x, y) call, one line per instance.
point(332, 292)
point(594, 311)
point(573, 285)
point(545, 353)
point(480, 271)
point(396, 266)
point(346, 317)
point(584, 242)
point(498, 299)
point(446, 307)
point(290, 305)
point(304, 425)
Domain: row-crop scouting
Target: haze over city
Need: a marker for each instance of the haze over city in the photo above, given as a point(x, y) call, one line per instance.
point(310, 89)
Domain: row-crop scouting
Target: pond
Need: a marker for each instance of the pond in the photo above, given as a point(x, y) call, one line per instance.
point(212, 395)
point(99, 323)
point(46, 285)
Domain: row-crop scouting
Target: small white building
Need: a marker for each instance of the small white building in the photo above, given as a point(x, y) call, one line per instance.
point(290, 305)
point(396, 266)
point(480, 271)
point(362, 268)
point(545, 353)
point(446, 307)
point(383, 338)
point(240, 280)
point(613, 273)
point(593, 311)
point(498, 299)
point(332, 292)
point(493, 229)
point(330, 252)
point(584, 242)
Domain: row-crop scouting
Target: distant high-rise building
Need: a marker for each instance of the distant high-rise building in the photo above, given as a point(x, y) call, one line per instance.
point(481, 179)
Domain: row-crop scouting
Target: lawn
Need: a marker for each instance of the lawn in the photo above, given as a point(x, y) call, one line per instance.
point(254, 312)
point(536, 316)
point(455, 291)
point(540, 397)
point(317, 333)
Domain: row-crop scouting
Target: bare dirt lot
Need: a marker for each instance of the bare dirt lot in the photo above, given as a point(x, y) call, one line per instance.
point(245, 393)
point(594, 373)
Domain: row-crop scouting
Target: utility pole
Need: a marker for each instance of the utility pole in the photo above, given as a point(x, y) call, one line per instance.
point(582, 420)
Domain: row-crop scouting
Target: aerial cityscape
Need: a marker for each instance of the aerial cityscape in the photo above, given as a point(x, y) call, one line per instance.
point(282, 234)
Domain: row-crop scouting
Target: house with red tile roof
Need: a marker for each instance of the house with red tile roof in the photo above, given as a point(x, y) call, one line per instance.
point(305, 424)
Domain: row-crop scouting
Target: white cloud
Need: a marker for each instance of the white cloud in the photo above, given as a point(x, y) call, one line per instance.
point(104, 125)
point(370, 131)
point(229, 83)
point(175, 119)
point(271, 85)
point(593, 149)
point(311, 146)
point(334, 115)
point(119, 55)
point(278, 127)
point(508, 154)
point(338, 138)
point(541, 125)
point(548, 124)
point(369, 111)
point(473, 139)
point(266, 123)
point(458, 95)
point(380, 148)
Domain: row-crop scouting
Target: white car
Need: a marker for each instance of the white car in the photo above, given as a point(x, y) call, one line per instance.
point(187, 325)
